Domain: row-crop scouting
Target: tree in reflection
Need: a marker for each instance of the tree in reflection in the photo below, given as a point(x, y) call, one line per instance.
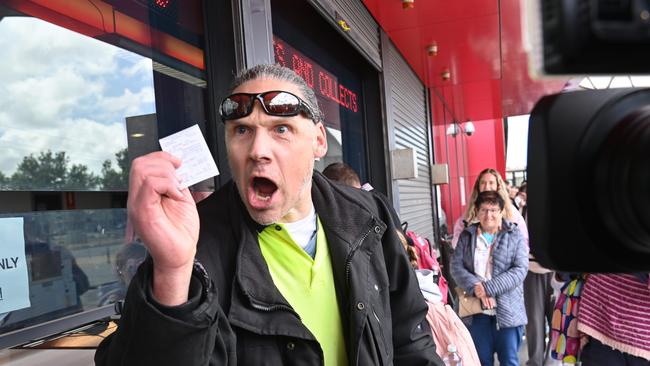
point(45, 170)
point(52, 171)
point(79, 177)
point(116, 179)
point(4, 181)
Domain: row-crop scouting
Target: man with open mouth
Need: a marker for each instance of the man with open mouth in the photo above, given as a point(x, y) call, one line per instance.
point(279, 266)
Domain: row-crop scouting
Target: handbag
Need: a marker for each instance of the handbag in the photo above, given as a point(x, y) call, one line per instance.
point(467, 304)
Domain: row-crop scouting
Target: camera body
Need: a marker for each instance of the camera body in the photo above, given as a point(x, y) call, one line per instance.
point(589, 151)
point(595, 36)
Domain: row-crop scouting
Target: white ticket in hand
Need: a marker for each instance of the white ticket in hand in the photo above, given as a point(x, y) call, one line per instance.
point(197, 162)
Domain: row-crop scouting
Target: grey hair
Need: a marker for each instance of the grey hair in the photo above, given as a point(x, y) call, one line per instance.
point(277, 72)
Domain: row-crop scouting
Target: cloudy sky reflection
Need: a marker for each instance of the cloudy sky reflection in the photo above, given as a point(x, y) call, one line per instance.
point(63, 91)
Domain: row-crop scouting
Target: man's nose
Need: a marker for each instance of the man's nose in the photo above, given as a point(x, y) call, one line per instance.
point(261, 143)
point(260, 148)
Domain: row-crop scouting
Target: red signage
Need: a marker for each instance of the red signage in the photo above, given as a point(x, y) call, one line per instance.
point(325, 85)
point(70, 201)
point(162, 3)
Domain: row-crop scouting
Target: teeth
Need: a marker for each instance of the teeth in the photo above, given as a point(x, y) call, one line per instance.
point(262, 198)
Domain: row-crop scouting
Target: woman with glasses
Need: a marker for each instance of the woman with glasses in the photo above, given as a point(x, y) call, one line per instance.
point(490, 263)
point(489, 180)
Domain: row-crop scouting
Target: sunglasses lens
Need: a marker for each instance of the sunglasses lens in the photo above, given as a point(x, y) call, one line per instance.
point(235, 106)
point(281, 103)
point(276, 103)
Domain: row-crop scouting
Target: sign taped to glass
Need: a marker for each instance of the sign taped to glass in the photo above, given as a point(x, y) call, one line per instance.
point(14, 283)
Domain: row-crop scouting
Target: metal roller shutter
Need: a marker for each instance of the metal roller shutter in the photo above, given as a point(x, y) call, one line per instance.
point(408, 128)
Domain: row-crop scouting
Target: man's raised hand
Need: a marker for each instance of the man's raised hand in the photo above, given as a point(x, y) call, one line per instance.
point(166, 220)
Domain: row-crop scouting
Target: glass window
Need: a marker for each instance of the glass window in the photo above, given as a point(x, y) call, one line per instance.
point(340, 100)
point(62, 124)
point(87, 86)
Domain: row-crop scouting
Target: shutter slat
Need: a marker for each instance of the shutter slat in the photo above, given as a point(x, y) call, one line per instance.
point(408, 100)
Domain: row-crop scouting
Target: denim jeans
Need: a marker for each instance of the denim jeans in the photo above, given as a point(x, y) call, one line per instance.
point(488, 340)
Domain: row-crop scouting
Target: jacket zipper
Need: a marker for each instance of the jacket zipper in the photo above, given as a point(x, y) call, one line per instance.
point(269, 308)
point(381, 338)
point(348, 260)
point(381, 329)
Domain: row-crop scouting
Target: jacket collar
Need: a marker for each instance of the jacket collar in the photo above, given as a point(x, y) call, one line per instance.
point(506, 226)
point(340, 208)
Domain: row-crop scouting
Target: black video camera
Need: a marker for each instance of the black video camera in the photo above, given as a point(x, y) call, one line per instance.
point(589, 151)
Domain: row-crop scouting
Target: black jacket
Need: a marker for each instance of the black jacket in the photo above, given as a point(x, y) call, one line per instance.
point(242, 319)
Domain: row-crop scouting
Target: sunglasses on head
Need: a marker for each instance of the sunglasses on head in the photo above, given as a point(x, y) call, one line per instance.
point(275, 103)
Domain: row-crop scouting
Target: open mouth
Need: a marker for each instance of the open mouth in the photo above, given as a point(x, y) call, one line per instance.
point(262, 191)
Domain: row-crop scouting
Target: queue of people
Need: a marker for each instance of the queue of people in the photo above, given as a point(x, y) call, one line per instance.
point(285, 266)
point(572, 319)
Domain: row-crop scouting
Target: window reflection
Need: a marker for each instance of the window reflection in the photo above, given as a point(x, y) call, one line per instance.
point(338, 99)
point(83, 94)
point(76, 260)
point(66, 99)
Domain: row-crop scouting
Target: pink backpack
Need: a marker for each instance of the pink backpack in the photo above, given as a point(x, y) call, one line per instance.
point(428, 261)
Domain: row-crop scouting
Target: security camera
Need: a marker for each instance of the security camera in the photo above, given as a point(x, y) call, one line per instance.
point(469, 128)
point(453, 129)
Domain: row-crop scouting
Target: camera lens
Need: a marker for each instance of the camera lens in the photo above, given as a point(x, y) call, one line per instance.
point(615, 150)
point(621, 179)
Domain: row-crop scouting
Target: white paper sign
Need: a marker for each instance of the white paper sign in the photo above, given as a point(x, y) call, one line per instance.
point(189, 146)
point(14, 282)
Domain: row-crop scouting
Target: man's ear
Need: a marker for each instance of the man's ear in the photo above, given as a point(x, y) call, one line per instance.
point(320, 143)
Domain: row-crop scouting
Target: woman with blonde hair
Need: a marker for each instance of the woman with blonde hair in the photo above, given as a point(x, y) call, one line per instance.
point(489, 180)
